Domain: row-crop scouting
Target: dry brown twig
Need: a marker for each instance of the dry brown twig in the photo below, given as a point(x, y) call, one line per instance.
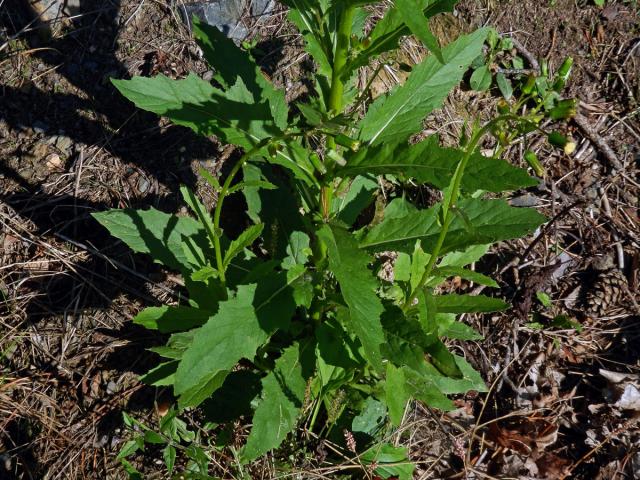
point(599, 142)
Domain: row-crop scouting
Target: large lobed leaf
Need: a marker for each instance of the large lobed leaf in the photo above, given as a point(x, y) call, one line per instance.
point(428, 162)
point(283, 392)
point(241, 325)
point(398, 115)
point(388, 31)
point(476, 222)
point(233, 115)
point(358, 287)
point(418, 23)
point(160, 235)
point(231, 62)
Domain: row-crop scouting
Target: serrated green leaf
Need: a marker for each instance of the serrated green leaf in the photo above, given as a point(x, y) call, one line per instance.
point(398, 115)
point(205, 274)
point(241, 325)
point(283, 392)
point(298, 250)
point(443, 360)
point(357, 198)
point(423, 388)
point(427, 162)
point(231, 115)
point(418, 23)
point(152, 437)
point(453, 303)
point(131, 470)
point(243, 241)
point(402, 267)
point(158, 234)
point(234, 398)
point(396, 396)
point(490, 221)
point(231, 62)
point(252, 184)
point(168, 319)
point(210, 179)
point(465, 257)
point(371, 418)
point(201, 212)
point(358, 288)
point(471, 379)
point(390, 461)
point(481, 79)
point(391, 28)
point(295, 158)
point(334, 346)
point(504, 84)
point(465, 274)
point(301, 285)
point(304, 16)
point(161, 375)
point(419, 261)
point(169, 457)
point(448, 327)
point(129, 448)
point(277, 209)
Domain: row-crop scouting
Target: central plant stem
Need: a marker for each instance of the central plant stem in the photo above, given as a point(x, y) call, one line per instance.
point(334, 106)
point(454, 193)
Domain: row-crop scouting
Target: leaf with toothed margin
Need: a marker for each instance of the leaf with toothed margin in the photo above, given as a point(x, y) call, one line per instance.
point(283, 392)
point(478, 222)
point(399, 114)
point(242, 324)
point(428, 162)
point(358, 288)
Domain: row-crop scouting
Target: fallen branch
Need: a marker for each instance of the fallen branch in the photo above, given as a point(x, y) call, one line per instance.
point(531, 58)
point(598, 141)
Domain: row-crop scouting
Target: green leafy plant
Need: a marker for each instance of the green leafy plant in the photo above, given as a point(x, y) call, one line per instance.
point(317, 308)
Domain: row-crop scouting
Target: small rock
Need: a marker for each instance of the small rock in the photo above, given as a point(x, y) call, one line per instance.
point(143, 184)
point(208, 75)
point(101, 441)
point(526, 200)
point(54, 162)
point(112, 387)
point(226, 14)
point(64, 143)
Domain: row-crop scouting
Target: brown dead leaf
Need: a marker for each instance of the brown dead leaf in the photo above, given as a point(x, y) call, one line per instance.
point(524, 434)
point(550, 466)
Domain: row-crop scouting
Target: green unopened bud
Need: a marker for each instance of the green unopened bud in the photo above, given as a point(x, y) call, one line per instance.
point(544, 67)
point(351, 143)
point(563, 74)
point(503, 106)
point(557, 139)
point(534, 163)
point(336, 157)
point(272, 149)
point(317, 163)
point(564, 109)
point(527, 88)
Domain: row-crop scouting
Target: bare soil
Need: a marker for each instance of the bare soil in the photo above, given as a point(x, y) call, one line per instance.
point(71, 145)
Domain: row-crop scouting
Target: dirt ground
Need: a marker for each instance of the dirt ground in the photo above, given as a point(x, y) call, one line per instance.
point(563, 371)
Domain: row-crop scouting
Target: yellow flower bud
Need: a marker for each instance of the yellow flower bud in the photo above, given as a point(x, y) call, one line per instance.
point(569, 148)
